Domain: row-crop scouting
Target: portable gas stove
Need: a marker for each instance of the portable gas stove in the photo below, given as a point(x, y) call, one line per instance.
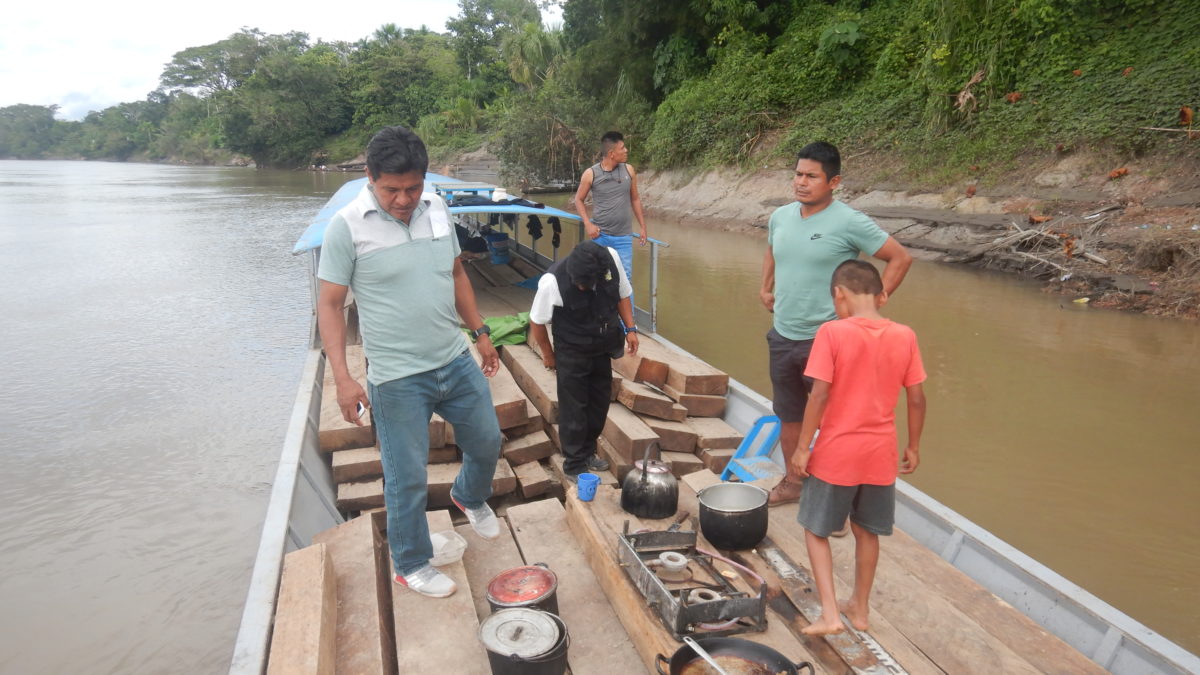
point(692, 598)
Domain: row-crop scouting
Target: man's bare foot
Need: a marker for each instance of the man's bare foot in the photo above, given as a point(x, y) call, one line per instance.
point(857, 619)
point(824, 626)
point(786, 492)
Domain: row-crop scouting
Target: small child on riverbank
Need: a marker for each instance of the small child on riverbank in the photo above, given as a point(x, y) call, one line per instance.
point(858, 364)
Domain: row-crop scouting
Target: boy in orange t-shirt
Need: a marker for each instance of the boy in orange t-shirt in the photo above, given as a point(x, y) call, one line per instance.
point(858, 364)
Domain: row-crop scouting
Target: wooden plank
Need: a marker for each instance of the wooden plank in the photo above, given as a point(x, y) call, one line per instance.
point(1044, 650)
point(335, 432)
point(536, 423)
point(617, 381)
point(646, 401)
point(507, 397)
point(628, 435)
point(714, 433)
point(439, 477)
point(675, 436)
point(682, 463)
point(444, 455)
point(487, 272)
point(305, 615)
point(798, 591)
point(356, 464)
point(525, 268)
point(484, 559)
point(359, 551)
point(532, 479)
point(360, 496)
point(598, 543)
point(913, 604)
point(480, 280)
point(487, 303)
point(642, 368)
point(556, 466)
point(539, 384)
point(439, 635)
point(685, 374)
point(599, 643)
point(519, 297)
point(716, 459)
point(437, 432)
point(502, 273)
point(617, 465)
point(527, 449)
point(697, 405)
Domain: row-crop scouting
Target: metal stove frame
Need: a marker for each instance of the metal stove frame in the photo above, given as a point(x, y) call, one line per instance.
point(680, 616)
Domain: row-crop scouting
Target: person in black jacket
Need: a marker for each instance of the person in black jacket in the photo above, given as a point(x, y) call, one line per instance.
point(586, 298)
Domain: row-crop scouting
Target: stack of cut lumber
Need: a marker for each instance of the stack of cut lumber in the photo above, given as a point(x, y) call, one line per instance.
point(672, 401)
point(523, 467)
point(358, 469)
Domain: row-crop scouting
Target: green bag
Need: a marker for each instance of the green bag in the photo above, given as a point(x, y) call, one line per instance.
point(508, 330)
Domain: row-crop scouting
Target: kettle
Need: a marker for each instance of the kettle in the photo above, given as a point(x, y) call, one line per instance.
point(649, 490)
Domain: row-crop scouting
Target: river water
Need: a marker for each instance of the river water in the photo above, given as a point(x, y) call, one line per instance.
point(154, 332)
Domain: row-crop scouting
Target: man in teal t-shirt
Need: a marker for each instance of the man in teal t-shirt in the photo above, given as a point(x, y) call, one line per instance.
point(807, 240)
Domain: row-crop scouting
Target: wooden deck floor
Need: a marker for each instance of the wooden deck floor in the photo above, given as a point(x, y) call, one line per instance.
point(926, 616)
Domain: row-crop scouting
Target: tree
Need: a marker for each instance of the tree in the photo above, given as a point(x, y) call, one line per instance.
point(283, 113)
point(532, 54)
point(28, 131)
point(480, 29)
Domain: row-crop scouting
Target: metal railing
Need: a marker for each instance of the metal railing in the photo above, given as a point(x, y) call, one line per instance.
point(643, 316)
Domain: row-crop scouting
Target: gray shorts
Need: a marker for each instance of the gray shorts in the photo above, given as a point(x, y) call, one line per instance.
point(790, 387)
point(825, 506)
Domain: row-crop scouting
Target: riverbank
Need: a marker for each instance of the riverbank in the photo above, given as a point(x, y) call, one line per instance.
point(1125, 238)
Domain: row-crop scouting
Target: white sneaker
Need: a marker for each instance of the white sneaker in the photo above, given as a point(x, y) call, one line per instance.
point(428, 581)
point(482, 519)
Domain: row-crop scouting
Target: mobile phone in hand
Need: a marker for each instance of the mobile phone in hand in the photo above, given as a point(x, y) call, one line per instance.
point(360, 409)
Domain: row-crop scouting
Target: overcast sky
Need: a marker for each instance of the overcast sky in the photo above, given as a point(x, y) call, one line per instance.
point(90, 55)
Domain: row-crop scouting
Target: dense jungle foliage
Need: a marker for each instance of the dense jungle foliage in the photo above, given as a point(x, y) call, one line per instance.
point(691, 83)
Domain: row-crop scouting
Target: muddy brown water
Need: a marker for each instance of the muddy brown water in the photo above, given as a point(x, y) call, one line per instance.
point(1071, 433)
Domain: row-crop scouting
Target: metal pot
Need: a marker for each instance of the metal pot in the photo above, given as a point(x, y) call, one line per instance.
point(733, 516)
point(522, 641)
point(735, 655)
point(533, 586)
point(649, 490)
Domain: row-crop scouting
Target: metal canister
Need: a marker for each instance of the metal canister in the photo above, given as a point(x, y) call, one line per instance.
point(532, 586)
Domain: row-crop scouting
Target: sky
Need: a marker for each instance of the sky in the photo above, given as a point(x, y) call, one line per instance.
point(85, 56)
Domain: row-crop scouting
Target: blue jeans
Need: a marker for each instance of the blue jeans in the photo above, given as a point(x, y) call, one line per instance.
point(624, 248)
point(401, 410)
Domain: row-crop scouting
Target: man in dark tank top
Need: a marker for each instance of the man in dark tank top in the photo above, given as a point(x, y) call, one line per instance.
point(612, 185)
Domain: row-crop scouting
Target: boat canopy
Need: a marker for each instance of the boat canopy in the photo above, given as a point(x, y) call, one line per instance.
point(446, 186)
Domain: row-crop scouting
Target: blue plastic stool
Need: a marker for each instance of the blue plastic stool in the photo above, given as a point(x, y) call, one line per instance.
point(752, 459)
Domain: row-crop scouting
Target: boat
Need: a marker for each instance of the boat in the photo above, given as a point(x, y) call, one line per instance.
point(304, 500)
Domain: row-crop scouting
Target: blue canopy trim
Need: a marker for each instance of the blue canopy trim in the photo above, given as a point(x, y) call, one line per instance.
point(314, 234)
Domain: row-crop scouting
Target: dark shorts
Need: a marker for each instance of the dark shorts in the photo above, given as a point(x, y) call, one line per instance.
point(791, 387)
point(824, 507)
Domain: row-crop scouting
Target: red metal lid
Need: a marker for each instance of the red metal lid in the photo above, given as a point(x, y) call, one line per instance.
point(521, 585)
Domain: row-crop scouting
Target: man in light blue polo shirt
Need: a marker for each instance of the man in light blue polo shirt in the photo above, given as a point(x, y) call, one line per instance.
point(396, 248)
point(807, 240)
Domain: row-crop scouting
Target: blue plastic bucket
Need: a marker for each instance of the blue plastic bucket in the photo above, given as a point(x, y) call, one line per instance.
point(498, 247)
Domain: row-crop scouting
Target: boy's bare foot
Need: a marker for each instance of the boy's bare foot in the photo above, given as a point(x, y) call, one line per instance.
point(786, 492)
point(858, 618)
point(823, 626)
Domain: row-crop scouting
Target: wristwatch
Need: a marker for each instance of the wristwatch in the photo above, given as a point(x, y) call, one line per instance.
point(630, 329)
point(482, 330)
